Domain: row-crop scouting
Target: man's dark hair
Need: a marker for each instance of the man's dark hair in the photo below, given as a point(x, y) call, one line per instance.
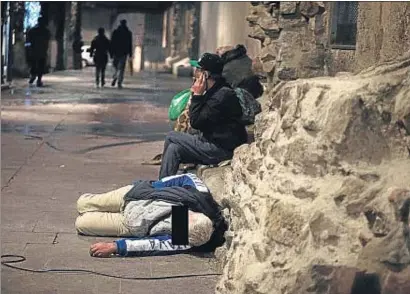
point(123, 22)
point(101, 31)
point(252, 85)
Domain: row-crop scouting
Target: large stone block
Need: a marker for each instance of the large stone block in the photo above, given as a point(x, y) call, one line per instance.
point(288, 7)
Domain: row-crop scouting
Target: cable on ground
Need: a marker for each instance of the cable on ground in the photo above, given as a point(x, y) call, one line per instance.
point(19, 258)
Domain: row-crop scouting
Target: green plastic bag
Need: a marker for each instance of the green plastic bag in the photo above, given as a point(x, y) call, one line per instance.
point(178, 104)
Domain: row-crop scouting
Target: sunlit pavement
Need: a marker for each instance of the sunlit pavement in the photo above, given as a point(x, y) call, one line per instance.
point(67, 139)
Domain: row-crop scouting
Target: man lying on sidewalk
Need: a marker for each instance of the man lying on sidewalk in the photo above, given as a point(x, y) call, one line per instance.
point(144, 209)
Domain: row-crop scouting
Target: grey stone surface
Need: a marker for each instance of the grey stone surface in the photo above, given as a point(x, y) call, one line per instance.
point(90, 141)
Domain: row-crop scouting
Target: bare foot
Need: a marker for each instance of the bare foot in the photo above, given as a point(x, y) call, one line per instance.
point(103, 249)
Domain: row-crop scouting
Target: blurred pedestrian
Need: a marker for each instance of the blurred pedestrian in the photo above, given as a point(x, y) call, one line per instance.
point(100, 48)
point(121, 47)
point(37, 43)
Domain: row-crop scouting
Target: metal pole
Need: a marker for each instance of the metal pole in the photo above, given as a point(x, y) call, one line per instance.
point(3, 39)
point(9, 45)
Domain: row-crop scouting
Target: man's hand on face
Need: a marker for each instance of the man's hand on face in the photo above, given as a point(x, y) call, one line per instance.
point(198, 88)
point(103, 249)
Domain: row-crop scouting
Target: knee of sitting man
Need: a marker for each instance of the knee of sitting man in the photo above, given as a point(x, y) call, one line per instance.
point(174, 149)
point(172, 136)
point(168, 137)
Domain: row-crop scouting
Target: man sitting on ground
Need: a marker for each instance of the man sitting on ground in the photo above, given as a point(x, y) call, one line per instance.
point(144, 210)
point(215, 112)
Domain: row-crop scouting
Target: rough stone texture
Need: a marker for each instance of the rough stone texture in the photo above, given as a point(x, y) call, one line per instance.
point(295, 38)
point(283, 27)
point(349, 280)
point(383, 32)
point(325, 184)
point(342, 61)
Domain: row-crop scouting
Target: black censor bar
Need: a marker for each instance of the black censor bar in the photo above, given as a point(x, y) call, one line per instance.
point(180, 225)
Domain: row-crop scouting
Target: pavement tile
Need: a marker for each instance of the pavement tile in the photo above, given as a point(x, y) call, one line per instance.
point(22, 197)
point(27, 237)
point(19, 219)
point(13, 281)
point(13, 248)
point(75, 254)
point(186, 265)
point(174, 286)
point(57, 221)
point(6, 175)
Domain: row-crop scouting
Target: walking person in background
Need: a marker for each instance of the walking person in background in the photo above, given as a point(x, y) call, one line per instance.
point(121, 47)
point(37, 43)
point(100, 47)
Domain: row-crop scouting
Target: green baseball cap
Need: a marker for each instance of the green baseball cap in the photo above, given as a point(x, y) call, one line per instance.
point(194, 63)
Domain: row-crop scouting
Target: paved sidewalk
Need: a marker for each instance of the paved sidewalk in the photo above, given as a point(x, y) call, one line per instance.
point(67, 139)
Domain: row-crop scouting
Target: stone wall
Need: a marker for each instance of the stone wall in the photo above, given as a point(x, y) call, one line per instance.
point(319, 203)
point(383, 32)
point(294, 44)
point(295, 38)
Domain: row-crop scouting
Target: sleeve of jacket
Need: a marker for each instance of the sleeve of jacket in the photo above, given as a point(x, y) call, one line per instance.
point(207, 111)
point(181, 181)
point(29, 38)
point(158, 245)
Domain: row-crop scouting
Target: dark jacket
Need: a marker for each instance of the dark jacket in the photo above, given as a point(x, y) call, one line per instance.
point(100, 48)
point(189, 196)
point(121, 42)
point(237, 65)
point(37, 42)
point(217, 116)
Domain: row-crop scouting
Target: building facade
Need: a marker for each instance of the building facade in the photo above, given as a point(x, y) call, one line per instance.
point(310, 39)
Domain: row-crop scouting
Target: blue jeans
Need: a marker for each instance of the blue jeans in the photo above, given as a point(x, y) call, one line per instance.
point(119, 66)
point(185, 148)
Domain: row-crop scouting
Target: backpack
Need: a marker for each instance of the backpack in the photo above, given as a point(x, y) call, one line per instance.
point(250, 106)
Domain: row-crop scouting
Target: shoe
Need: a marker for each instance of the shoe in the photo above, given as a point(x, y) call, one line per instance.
point(40, 84)
point(31, 81)
point(114, 81)
point(97, 86)
point(119, 86)
point(102, 85)
point(156, 160)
